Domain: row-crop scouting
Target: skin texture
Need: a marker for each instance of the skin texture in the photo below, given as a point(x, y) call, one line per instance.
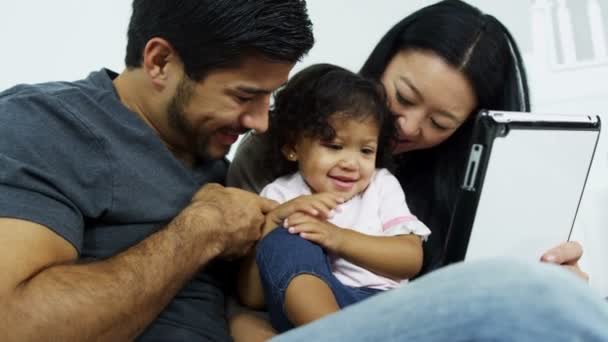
point(45, 290)
point(429, 98)
point(45, 283)
point(200, 119)
point(342, 167)
point(422, 123)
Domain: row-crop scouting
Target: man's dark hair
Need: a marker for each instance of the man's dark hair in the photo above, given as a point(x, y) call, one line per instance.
point(316, 94)
point(213, 34)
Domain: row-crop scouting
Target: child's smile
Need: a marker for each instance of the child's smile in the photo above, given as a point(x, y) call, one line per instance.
point(344, 164)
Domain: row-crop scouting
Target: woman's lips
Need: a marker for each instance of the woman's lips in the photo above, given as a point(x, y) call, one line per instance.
point(404, 142)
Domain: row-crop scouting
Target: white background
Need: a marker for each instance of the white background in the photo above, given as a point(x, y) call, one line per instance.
point(66, 39)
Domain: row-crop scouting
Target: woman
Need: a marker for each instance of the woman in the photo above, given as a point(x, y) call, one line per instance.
point(439, 66)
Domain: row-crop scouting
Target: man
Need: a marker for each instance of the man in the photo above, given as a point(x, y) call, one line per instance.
point(105, 231)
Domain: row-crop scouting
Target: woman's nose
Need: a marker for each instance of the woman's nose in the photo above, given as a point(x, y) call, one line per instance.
point(409, 125)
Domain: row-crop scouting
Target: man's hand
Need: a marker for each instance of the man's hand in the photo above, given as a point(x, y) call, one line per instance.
point(566, 255)
point(114, 299)
point(228, 219)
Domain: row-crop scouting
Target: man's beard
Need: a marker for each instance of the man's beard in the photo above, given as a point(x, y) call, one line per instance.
point(198, 144)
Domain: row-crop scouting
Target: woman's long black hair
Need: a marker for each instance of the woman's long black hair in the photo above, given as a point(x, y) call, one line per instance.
point(484, 51)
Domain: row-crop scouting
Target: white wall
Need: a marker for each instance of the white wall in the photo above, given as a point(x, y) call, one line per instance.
point(61, 39)
point(66, 39)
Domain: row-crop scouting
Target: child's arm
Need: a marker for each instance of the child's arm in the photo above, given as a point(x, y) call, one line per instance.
point(396, 254)
point(397, 257)
point(249, 285)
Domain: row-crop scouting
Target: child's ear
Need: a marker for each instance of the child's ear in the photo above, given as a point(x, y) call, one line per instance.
point(289, 153)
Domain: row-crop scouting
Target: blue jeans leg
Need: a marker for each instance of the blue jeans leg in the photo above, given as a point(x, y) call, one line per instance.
point(495, 300)
point(280, 257)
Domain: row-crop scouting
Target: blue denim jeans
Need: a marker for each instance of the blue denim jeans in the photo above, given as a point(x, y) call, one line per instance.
point(281, 256)
point(493, 300)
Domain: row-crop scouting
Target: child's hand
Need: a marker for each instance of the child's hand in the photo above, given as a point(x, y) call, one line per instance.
point(321, 232)
point(319, 205)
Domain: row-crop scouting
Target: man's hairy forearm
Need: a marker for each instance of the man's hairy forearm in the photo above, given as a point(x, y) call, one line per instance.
point(112, 300)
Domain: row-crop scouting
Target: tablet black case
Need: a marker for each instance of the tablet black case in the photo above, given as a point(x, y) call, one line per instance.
point(489, 127)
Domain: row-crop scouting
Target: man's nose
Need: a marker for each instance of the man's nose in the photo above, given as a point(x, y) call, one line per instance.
point(257, 118)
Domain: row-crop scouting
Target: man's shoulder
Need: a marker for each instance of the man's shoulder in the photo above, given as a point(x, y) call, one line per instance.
point(23, 94)
point(54, 93)
point(44, 118)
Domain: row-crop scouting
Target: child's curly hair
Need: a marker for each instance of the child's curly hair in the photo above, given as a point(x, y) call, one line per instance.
point(311, 97)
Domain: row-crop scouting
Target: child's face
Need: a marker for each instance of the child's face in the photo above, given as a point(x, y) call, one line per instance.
point(343, 165)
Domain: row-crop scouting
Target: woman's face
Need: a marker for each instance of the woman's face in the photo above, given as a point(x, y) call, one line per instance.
point(429, 98)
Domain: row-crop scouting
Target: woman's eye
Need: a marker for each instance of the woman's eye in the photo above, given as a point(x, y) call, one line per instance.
point(437, 125)
point(368, 151)
point(403, 100)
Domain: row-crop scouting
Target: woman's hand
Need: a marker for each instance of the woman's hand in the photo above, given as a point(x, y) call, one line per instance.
point(567, 255)
point(315, 230)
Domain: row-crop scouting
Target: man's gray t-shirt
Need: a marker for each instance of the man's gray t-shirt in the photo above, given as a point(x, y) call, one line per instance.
point(76, 160)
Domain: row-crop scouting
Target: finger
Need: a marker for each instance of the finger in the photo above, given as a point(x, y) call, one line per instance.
point(576, 270)
point(308, 209)
point(323, 210)
point(298, 219)
point(303, 228)
point(298, 215)
point(331, 200)
point(267, 205)
point(337, 198)
point(313, 237)
point(566, 253)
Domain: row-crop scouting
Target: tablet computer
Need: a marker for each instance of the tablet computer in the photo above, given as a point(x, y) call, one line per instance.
point(524, 180)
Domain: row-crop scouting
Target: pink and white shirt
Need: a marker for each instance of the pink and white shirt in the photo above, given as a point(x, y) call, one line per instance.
point(379, 210)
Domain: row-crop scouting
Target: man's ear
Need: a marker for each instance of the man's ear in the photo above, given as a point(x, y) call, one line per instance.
point(159, 60)
point(289, 152)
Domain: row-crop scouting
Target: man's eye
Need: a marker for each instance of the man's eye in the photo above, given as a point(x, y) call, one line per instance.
point(242, 99)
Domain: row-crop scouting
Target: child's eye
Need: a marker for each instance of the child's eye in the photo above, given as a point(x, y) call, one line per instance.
point(333, 146)
point(368, 151)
